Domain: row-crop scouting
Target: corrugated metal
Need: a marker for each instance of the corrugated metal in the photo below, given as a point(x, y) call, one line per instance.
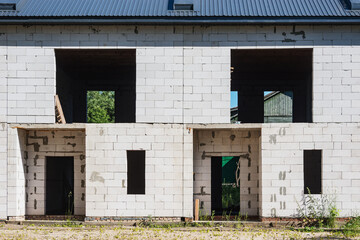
point(159, 8)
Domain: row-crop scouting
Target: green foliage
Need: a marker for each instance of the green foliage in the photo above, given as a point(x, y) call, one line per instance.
point(100, 107)
point(318, 211)
point(352, 227)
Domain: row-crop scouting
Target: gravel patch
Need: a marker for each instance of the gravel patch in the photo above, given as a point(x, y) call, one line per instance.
point(119, 232)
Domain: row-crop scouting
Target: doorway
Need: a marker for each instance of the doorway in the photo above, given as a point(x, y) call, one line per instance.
point(225, 185)
point(59, 185)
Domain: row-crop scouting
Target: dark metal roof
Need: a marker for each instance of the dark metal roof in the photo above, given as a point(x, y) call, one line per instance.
point(222, 10)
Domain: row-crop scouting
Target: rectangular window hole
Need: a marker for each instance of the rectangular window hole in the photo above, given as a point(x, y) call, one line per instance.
point(136, 172)
point(312, 171)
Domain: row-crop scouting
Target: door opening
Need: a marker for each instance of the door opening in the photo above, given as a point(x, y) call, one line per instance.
point(59, 185)
point(225, 185)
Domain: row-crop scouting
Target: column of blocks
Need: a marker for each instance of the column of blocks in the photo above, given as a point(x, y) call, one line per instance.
point(3, 170)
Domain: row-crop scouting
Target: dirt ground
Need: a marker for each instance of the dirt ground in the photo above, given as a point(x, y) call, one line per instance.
point(119, 232)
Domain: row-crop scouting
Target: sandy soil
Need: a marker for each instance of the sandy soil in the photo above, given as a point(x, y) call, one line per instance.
point(113, 232)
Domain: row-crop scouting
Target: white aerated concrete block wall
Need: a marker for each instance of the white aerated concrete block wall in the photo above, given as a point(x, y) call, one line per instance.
point(15, 174)
point(42, 144)
point(182, 72)
point(3, 170)
point(212, 143)
point(168, 170)
point(282, 165)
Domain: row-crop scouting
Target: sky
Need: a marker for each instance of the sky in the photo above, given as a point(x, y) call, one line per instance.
point(234, 98)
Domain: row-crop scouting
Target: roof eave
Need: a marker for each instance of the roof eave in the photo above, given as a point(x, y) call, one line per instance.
point(179, 20)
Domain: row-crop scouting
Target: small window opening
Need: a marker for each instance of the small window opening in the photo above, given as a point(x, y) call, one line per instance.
point(278, 106)
point(100, 106)
point(312, 171)
point(136, 172)
point(8, 6)
point(184, 7)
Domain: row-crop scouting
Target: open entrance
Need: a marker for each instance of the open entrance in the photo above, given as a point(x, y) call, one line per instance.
point(286, 72)
point(59, 185)
point(82, 73)
point(225, 185)
point(226, 171)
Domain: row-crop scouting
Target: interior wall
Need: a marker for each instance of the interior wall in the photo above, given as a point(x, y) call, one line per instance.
point(41, 144)
point(244, 143)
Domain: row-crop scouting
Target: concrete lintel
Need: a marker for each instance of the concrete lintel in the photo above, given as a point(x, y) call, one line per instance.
point(49, 126)
point(247, 126)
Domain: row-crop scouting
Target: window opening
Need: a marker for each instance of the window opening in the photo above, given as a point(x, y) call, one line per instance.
point(136, 172)
point(312, 171)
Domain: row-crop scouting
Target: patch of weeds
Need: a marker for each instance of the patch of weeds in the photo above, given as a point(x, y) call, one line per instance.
point(70, 223)
point(318, 211)
point(212, 215)
point(311, 229)
point(352, 227)
point(203, 217)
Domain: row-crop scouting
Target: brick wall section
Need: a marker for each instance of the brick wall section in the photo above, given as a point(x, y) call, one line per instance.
point(168, 170)
point(3, 170)
point(282, 165)
point(53, 144)
point(208, 143)
point(182, 72)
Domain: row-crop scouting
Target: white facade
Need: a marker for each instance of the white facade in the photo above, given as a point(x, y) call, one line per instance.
point(183, 78)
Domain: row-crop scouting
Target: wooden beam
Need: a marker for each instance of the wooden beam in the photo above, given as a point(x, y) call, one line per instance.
point(196, 210)
point(60, 117)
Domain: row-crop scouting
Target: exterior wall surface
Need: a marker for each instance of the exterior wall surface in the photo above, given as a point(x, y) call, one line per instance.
point(211, 143)
point(3, 170)
point(282, 166)
point(15, 174)
point(168, 170)
point(182, 72)
point(183, 76)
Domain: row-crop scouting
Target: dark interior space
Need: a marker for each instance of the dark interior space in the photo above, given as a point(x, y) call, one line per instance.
point(80, 71)
point(59, 186)
point(225, 195)
point(135, 172)
point(256, 71)
point(312, 171)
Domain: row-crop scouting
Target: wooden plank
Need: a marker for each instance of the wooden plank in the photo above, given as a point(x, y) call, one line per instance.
point(197, 209)
point(60, 117)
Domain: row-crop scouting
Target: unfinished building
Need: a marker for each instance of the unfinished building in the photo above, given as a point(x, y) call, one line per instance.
point(145, 122)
